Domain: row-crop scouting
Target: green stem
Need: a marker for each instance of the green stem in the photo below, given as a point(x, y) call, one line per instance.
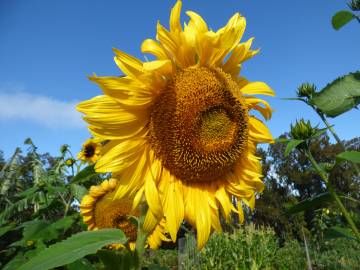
point(332, 131)
point(325, 178)
point(141, 234)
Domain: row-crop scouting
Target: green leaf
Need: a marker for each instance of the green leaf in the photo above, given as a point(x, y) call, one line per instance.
point(74, 248)
point(341, 18)
point(157, 267)
point(78, 191)
point(43, 231)
point(353, 156)
point(319, 132)
point(336, 232)
point(84, 174)
point(15, 263)
point(6, 229)
point(311, 203)
point(291, 145)
point(282, 140)
point(81, 264)
point(28, 192)
point(118, 260)
point(339, 96)
point(299, 99)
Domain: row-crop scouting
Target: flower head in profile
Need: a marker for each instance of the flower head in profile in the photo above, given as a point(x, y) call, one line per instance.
point(180, 128)
point(100, 210)
point(91, 151)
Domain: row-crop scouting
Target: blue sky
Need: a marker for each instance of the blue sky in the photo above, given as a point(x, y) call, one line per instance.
point(47, 48)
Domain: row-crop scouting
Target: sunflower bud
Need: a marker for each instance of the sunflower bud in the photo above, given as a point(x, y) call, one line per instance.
point(64, 148)
point(328, 167)
point(354, 5)
point(302, 130)
point(306, 90)
point(69, 162)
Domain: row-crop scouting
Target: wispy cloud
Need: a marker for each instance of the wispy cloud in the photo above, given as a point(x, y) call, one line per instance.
point(42, 110)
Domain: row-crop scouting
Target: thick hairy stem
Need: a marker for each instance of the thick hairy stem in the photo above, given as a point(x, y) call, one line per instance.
point(325, 178)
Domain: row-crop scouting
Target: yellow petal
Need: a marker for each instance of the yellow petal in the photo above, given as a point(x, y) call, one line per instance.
point(223, 199)
point(174, 23)
point(150, 221)
point(130, 65)
point(151, 191)
point(254, 88)
point(87, 201)
point(240, 54)
point(137, 198)
point(112, 183)
point(173, 203)
point(258, 131)
point(240, 212)
point(154, 48)
point(120, 156)
point(197, 22)
point(253, 104)
point(132, 179)
point(96, 191)
point(215, 221)
point(250, 202)
point(125, 90)
point(104, 111)
point(230, 36)
point(164, 67)
point(88, 219)
point(166, 40)
point(132, 246)
point(127, 131)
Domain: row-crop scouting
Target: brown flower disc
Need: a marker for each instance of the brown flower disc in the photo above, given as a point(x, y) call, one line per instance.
point(198, 129)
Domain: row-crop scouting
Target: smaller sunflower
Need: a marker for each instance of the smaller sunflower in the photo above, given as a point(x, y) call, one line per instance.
point(91, 151)
point(100, 210)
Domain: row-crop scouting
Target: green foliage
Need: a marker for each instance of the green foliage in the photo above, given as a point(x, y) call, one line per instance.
point(161, 258)
point(38, 202)
point(339, 96)
point(291, 256)
point(291, 145)
point(246, 248)
point(335, 232)
point(84, 174)
point(353, 156)
point(342, 18)
point(311, 203)
point(118, 260)
point(74, 248)
point(78, 191)
point(337, 254)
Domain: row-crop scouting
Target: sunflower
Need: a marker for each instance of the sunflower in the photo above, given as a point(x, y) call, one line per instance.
point(91, 151)
point(180, 128)
point(100, 210)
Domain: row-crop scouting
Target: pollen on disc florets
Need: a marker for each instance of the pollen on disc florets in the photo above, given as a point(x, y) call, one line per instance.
point(198, 129)
point(89, 150)
point(110, 213)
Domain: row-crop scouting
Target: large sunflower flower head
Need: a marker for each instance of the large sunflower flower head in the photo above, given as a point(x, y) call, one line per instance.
point(101, 210)
point(180, 128)
point(90, 151)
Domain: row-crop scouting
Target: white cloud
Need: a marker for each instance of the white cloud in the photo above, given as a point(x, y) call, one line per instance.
point(42, 110)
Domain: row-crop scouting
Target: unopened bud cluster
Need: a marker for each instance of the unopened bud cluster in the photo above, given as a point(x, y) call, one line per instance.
point(302, 130)
point(64, 148)
point(354, 5)
point(306, 90)
point(69, 162)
